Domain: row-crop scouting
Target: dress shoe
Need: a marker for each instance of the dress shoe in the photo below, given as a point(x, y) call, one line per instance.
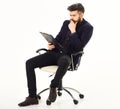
point(52, 95)
point(29, 101)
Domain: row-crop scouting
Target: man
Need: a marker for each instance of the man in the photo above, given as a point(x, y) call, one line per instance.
point(73, 36)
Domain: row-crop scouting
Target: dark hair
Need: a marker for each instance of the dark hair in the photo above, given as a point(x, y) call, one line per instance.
point(77, 6)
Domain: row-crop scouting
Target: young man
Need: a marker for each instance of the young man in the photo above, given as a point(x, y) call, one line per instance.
point(73, 36)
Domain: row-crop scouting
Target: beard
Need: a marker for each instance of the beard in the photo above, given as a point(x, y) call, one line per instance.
point(75, 21)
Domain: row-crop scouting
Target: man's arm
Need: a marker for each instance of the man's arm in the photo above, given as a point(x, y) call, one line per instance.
point(63, 28)
point(78, 41)
point(58, 38)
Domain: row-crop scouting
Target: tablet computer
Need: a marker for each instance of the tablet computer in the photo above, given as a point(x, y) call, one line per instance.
point(51, 39)
point(48, 37)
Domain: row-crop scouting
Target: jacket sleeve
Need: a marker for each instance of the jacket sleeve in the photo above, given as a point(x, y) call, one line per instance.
point(60, 34)
point(78, 39)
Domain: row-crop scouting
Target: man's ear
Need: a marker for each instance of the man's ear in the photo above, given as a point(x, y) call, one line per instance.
point(81, 16)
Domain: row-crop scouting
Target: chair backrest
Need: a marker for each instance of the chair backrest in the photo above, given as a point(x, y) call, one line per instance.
point(75, 60)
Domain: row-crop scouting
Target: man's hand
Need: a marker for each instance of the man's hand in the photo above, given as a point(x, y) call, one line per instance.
point(50, 46)
point(72, 26)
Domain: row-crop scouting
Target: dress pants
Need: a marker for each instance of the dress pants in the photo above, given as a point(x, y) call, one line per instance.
point(46, 59)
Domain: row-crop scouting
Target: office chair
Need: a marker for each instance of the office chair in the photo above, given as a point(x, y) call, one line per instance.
point(52, 69)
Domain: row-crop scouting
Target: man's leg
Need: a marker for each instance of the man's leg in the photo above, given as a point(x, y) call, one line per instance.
point(38, 61)
point(63, 64)
point(31, 64)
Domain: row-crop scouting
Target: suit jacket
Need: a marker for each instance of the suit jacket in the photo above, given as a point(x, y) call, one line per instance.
point(77, 40)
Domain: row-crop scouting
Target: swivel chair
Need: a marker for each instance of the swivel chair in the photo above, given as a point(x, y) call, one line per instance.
point(52, 69)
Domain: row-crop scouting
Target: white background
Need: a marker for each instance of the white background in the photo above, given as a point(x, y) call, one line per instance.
point(98, 76)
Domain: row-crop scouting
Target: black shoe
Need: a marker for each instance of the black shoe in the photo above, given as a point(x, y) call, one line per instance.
point(29, 101)
point(52, 95)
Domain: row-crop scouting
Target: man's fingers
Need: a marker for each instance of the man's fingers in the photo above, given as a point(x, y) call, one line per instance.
point(50, 47)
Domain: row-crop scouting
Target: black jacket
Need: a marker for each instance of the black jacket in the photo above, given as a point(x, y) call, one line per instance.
point(77, 40)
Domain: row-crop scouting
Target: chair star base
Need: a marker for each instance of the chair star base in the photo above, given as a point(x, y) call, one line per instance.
point(59, 92)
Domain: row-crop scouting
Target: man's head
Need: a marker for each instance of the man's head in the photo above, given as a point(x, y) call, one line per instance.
point(76, 12)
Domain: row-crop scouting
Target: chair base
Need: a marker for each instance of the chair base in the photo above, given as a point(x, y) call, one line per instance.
point(66, 89)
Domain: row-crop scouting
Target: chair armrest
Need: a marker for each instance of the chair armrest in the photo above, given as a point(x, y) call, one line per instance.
point(41, 49)
point(77, 53)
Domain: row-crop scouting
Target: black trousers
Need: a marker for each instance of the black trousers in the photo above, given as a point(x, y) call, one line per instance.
point(46, 59)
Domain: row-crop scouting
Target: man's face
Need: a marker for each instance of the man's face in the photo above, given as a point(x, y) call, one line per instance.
point(76, 16)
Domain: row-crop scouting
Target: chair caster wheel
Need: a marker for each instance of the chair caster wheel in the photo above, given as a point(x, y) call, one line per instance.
point(48, 102)
point(39, 97)
point(59, 93)
point(75, 101)
point(81, 96)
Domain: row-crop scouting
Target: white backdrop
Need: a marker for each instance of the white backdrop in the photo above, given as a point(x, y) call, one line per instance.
point(99, 73)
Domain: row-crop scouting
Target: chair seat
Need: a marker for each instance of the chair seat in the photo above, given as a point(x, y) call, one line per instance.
point(51, 69)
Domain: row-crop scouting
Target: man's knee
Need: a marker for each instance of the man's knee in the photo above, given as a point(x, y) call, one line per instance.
point(29, 62)
point(64, 61)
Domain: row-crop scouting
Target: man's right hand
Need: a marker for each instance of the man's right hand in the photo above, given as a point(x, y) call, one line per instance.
point(50, 46)
point(72, 26)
